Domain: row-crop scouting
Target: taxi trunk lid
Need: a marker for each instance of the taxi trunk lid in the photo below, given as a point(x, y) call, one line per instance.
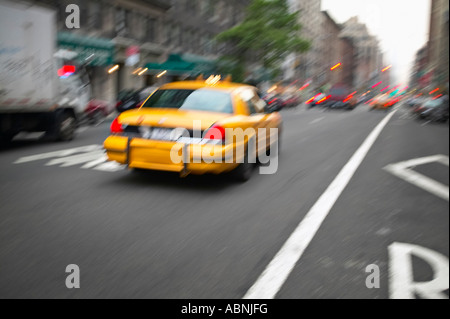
point(171, 118)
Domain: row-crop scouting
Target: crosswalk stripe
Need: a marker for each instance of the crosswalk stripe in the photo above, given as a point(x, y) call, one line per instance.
point(96, 162)
point(61, 153)
point(76, 159)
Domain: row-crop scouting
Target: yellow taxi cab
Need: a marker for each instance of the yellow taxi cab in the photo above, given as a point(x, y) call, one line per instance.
point(382, 101)
point(196, 127)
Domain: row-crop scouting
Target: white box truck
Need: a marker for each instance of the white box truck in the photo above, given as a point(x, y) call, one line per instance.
point(33, 96)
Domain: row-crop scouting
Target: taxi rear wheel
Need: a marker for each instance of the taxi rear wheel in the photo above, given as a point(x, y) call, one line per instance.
point(244, 171)
point(274, 149)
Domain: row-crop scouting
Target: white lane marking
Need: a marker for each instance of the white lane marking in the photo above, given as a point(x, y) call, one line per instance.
point(401, 274)
point(316, 120)
point(443, 159)
point(60, 153)
point(76, 159)
point(403, 170)
point(110, 167)
point(91, 157)
point(276, 273)
point(29, 136)
point(96, 162)
point(81, 129)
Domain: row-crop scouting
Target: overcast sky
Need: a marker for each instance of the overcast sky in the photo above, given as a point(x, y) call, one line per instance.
point(401, 26)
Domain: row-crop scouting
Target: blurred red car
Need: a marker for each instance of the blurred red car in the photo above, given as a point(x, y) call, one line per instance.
point(340, 96)
point(289, 100)
point(96, 110)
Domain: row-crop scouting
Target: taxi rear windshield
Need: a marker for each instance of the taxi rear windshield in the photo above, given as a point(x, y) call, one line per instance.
point(199, 100)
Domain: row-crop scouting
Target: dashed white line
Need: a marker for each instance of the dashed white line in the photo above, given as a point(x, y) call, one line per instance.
point(276, 273)
point(316, 120)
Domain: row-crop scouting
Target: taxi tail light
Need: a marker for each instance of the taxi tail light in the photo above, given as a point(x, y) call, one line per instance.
point(116, 127)
point(216, 132)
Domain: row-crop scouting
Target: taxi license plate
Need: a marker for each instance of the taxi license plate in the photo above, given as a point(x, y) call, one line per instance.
point(161, 134)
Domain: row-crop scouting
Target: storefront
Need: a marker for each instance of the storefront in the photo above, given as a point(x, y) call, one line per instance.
point(97, 56)
point(181, 66)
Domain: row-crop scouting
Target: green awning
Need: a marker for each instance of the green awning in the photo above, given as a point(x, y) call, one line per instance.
point(183, 64)
point(91, 51)
point(174, 64)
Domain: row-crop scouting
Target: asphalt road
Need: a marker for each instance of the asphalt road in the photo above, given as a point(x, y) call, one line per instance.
point(154, 235)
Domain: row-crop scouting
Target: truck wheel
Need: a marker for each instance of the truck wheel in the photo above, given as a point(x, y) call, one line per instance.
point(66, 127)
point(97, 117)
point(5, 139)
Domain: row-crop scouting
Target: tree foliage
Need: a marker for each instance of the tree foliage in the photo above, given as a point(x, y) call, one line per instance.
point(268, 33)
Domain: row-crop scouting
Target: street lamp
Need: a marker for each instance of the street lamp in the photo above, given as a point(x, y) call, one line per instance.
point(335, 66)
point(386, 68)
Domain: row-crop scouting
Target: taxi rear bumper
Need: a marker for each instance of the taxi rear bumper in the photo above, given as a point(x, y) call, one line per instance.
point(176, 157)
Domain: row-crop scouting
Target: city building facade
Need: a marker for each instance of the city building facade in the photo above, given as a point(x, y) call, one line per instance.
point(418, 79)
point(330, 72)
point(438, 54)
point(328, 48)
point(368, 56)
point(348, 61)
point(132, 36)
point(305, 67)
point(337, 55)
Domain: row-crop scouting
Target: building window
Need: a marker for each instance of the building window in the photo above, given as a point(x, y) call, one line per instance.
point(185, 42)
point(151, 30)
point(192, 40)
point(94, 16)
point(203, 7)
point(203, 41)
point(176, 37)
point(131, 24)
point(167, 33)
point(121, 26)
point(193, 6)
point(211, 8)
point(139, 26)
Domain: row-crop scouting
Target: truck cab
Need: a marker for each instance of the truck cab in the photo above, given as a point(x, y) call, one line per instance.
point(36, 92)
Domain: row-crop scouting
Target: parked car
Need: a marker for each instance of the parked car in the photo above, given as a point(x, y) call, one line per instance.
point(132, 99)
point(340, 97)
point(382, 101)
point(289, 100)
point(146, 92)
point(433, 109)
point(273, 101)
point(96, 110)
point(415, 101)
point(315, 100)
